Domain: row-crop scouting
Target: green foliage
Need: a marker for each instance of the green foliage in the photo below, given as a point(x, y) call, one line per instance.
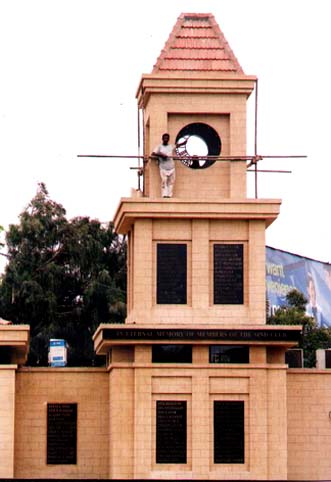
point(63, 278)
point(313, 336)
point(296, 299)
point(293, 312)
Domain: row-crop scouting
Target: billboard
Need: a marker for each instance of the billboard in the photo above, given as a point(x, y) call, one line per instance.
point(286, 271)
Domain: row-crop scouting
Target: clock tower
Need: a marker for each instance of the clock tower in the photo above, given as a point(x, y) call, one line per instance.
point(197, 378)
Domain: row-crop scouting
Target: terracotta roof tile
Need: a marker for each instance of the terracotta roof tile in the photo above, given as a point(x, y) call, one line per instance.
point(200, 53)
point(196, 43)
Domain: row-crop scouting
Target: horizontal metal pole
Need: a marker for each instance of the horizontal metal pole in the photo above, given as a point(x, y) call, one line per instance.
point(215, 158)
point(267, 170)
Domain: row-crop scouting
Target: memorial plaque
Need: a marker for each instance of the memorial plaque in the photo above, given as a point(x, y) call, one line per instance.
point(171, 274)
point(228, 274)
point(170, 432)
point(61, 433)
point(266, 334)
point(229, 432)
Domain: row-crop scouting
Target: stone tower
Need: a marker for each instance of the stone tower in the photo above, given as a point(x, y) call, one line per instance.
point(197, 379)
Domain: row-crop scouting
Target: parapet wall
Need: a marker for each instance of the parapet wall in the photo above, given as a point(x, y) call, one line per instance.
point(309, 424)
point(88, 387)
point(25, 394)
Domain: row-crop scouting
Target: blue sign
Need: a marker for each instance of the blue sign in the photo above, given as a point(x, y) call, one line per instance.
point(286, 271)
point(57, 356)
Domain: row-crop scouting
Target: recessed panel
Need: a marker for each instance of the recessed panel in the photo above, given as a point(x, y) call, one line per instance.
point(172, 353)
point(229, 354)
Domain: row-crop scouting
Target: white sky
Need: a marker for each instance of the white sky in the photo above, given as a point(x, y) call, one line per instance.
point(69, 74)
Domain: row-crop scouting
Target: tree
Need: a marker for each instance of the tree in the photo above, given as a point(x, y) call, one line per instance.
point(313, 336)
point(63, 278)
point(1, 230)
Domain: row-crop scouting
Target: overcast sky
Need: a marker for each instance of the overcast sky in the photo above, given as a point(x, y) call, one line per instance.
point(69, 74)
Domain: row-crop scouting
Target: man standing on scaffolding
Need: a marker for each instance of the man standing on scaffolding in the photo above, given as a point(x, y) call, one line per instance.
point(164, 153)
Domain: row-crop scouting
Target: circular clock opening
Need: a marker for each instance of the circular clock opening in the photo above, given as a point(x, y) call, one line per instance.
point(196, 146)
point(199, 140)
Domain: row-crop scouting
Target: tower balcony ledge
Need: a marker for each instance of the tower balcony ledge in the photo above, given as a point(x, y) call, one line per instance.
point(132, 209)
point(108, 335)
point(15, 340)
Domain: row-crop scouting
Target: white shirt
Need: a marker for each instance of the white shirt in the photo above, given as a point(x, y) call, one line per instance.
point(168, 163)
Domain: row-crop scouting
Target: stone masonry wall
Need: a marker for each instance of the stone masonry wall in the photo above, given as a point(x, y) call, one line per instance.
point(88, 387)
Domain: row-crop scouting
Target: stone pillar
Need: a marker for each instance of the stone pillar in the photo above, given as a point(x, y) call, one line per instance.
point(7, 419)
point(14, 344)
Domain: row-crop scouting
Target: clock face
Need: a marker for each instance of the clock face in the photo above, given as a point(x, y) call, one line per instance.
point(197, 141)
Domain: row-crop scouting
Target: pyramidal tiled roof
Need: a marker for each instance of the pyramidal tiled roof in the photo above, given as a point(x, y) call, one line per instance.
point(197, 44)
